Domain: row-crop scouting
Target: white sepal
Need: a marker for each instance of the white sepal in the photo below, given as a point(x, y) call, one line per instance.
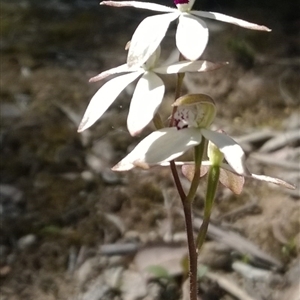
point(228, 19)
point(273, 180)
point(104, 97)
point(117, 70)
point(147, 38)
point(159, 147)
point(138, 4)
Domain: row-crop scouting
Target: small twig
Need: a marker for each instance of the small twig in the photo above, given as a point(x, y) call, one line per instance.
point(81, 256)
point(119, 249)
point(281, 140)
point(255, 137)
point(72, 259)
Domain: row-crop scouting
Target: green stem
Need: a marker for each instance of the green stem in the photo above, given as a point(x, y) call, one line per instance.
point(213, 180)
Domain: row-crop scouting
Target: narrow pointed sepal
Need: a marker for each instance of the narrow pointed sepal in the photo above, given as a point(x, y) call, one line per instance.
point(120, 69)
point(104, 97)
point(231, 20)
point(139, 4)
point(273, 180)
point(147, 38)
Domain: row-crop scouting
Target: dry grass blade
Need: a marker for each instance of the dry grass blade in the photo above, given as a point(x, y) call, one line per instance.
point(240, 244)
point(281, 140)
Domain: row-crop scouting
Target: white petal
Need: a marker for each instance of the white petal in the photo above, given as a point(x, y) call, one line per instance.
point(191, 36)
point(137, 4)
point(160, 146)
point(147, 38)
point(228, 19)
point(189, 66)
point(119, 69)
point(232, 151)
point(146, 99)
point(104, 97)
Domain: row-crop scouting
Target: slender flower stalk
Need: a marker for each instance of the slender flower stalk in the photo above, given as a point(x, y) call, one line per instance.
point(187, 205)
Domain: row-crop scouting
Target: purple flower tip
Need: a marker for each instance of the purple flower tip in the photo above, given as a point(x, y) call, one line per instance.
point(181, 2)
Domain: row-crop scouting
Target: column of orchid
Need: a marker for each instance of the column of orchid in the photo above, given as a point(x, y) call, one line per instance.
point(191, 115)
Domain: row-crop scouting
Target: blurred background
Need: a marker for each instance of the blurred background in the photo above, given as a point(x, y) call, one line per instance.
point(60, 202)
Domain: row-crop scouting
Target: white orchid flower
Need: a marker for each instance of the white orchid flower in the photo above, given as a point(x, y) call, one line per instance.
point(191, 35)
point(194, 114)
point(148, 93)
point(167, 144)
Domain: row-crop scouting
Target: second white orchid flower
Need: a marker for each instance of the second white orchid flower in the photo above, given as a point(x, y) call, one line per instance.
point(148, 93)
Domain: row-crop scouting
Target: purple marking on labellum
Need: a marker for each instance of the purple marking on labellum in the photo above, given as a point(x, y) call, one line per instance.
point(181, 2)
